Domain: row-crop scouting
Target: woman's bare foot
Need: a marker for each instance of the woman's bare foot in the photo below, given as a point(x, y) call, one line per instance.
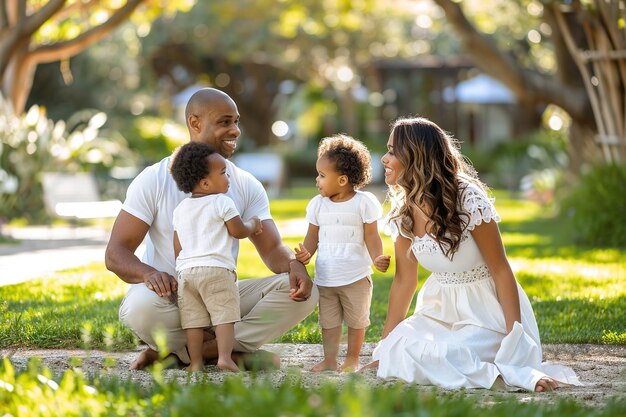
point(145, 358)
point(350, 365)
point(227, 364)
point(546, 384)
point(325, 365)
point(371, 365)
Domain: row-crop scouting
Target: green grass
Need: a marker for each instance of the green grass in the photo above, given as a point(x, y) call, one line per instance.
point(35, 392)
point(577, 292)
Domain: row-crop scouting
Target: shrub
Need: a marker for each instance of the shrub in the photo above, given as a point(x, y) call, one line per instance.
point(532, 163)
point(31, 143)
point(596, 205)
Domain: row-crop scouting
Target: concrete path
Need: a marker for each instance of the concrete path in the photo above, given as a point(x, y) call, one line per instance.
point(43, 250)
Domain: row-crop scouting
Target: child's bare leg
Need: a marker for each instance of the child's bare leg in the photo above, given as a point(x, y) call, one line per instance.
point(330, 338)
point(194, 345)
point(225, 333)
point(355, 342)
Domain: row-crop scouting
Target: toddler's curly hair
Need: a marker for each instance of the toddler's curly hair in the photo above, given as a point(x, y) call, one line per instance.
point(190, 164)
point(350, 156)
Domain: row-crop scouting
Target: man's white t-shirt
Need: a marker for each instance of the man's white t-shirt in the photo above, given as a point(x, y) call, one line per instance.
point(200, 225)
point(153, 196)
point(342, 256)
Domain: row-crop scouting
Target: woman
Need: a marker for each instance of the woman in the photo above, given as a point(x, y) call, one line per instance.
point(473, 325)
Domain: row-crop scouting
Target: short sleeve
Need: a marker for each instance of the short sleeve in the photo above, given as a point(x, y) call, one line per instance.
point(248, 194)
point(141, 196)
point(226, 207)
point(370, 208)
point(312, 210)
point(478, 206)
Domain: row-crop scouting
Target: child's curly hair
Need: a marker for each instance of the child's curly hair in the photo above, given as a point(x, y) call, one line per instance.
point(190, 164)
point(350, 156)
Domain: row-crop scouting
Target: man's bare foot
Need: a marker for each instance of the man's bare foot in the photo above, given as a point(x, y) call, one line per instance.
point(371, 365)
point(546, 384)
point(261, 360)
point(145, 358)
point(350, 365)
point(325, 365)
point(227, 364)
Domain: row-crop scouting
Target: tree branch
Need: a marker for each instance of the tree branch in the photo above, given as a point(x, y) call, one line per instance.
point(486, 55)
point(4, 17)
point(69, 48)
point(527, 85)
point(28, 25)
point(79, 5)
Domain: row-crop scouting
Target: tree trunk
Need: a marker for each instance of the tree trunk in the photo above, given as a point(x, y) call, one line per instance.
point(18, 80)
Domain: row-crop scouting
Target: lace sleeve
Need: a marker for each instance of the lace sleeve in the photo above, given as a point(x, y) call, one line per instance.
point(478, 206)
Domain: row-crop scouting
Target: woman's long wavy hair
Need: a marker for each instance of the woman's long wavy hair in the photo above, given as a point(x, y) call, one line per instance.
point(432, 182)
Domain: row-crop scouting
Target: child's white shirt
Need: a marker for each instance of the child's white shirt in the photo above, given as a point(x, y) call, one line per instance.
point(342, 256)
point(200, 225)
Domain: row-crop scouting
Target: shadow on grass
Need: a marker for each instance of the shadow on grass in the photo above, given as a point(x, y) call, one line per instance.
point(545, 237)
point(597, 321)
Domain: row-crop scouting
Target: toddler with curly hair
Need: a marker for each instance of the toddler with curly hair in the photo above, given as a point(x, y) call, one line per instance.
point(205, 225)
point(343, 230)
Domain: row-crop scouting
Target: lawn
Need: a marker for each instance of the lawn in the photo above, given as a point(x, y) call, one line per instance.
point(577, 293)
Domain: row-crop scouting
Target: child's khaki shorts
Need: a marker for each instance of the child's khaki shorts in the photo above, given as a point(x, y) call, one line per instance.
point(207, 296)
point(349, 303)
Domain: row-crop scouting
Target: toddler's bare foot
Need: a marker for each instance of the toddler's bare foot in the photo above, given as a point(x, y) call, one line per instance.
point(350, 365)
point(371, 365)
point(325, 365)
point(545, 384)
point(227, 364)
point(195, 367)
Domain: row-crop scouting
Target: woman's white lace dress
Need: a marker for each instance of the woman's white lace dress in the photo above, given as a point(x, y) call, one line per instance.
point(457, 335)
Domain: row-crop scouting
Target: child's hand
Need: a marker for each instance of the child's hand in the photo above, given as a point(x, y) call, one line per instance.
point(258, 226)
point(302, 254)
point(382, 262)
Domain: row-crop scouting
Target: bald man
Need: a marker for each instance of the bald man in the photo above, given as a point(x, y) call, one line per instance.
point(270, 306)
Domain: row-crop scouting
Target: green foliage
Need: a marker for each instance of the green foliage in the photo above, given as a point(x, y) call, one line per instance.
point(36, 392)
point(31, 144)
point(154, 138)
point(533, 163)
point(596, 206)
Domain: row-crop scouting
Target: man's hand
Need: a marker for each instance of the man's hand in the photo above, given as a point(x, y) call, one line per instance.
point(382, 262)
point(299, 281)
point(302, 254)
point(161, 283)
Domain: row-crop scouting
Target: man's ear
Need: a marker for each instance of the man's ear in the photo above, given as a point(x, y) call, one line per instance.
point(194, 122)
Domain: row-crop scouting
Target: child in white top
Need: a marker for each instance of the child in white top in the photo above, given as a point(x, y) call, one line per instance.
point(343, 229)
point(204, 227)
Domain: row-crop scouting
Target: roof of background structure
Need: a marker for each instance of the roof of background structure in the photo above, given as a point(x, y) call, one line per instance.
point(481, 89)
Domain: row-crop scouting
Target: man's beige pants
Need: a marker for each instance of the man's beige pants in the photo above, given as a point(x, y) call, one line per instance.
point(266, 313)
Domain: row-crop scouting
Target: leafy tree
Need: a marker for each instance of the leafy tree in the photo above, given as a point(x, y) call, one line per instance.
point(593, 26)
point(315, 46)
point(34, 32)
